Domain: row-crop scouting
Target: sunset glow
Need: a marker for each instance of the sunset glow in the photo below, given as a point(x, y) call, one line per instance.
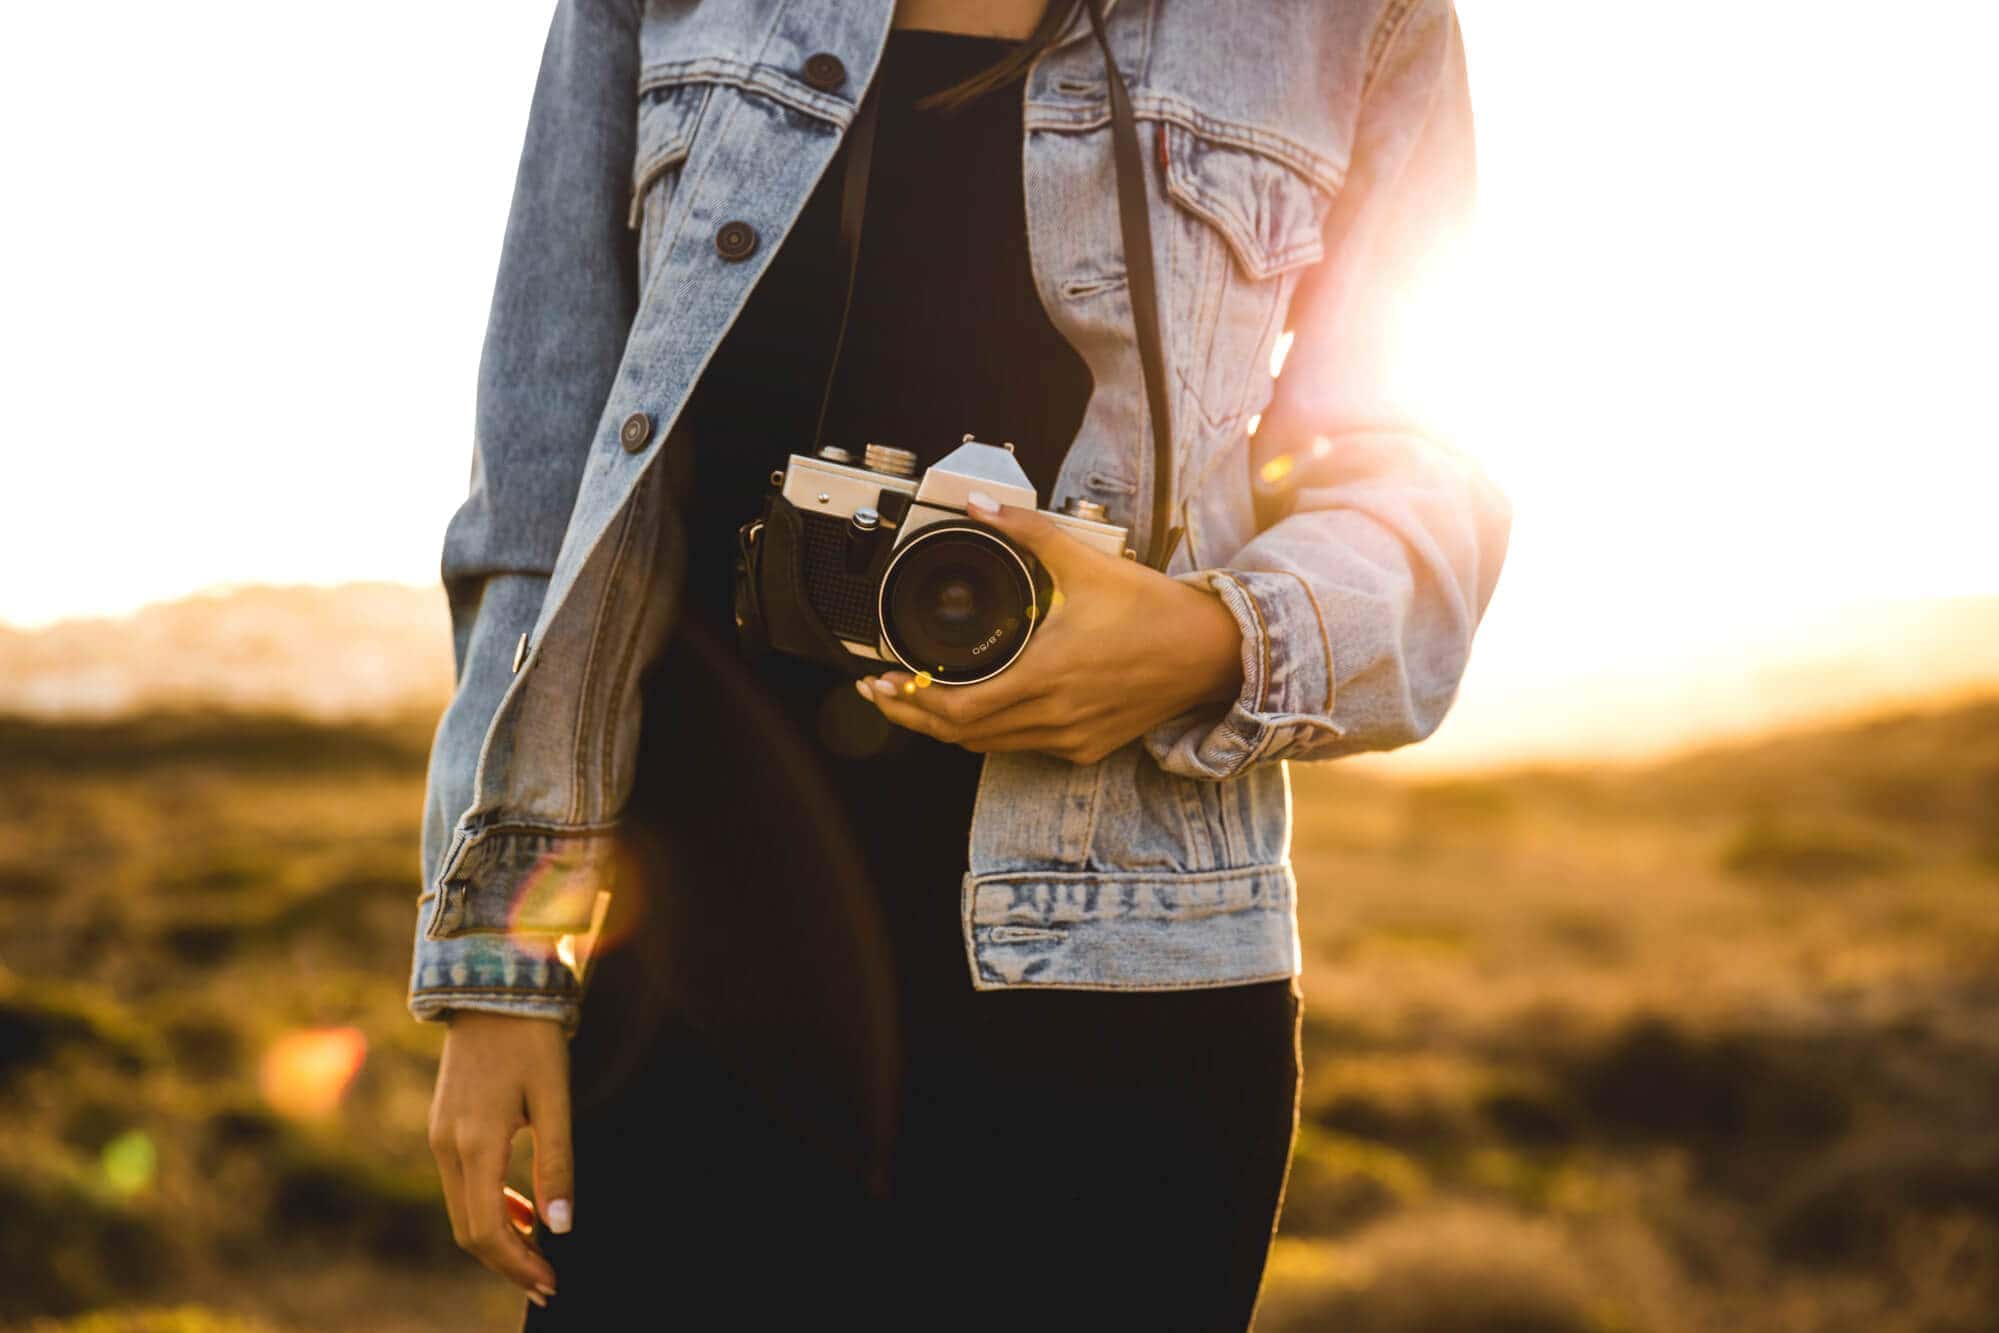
point(1722, 332)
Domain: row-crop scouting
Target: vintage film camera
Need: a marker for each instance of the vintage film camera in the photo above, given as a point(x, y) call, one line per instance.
point(862, 564)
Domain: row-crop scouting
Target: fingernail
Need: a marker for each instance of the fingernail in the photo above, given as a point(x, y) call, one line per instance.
point(558, 1216)
point(538, 1299)
point(982, 502)
point(544, 1289)
point(882, 687)
point(861, 687)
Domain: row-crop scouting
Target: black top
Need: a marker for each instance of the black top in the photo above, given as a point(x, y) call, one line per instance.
point(947, 336)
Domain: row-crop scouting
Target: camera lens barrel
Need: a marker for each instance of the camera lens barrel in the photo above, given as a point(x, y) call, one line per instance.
point(959, 602)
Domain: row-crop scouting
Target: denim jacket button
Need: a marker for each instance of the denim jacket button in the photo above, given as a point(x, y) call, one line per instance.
point(735, 241)
point(825, 71)
point(636, 431)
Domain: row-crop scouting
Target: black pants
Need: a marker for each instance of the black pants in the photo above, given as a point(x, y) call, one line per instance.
point(791, 1106)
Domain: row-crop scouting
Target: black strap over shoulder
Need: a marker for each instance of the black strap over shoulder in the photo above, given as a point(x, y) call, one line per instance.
point(853, 205)
point(1134, 221)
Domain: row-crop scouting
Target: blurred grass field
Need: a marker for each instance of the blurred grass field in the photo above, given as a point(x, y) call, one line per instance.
point(1706, 1045)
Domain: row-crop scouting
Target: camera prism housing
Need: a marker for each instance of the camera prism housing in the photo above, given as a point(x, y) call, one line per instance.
point(892, 568)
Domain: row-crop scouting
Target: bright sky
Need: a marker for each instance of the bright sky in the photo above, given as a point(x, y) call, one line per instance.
point(1727, 335)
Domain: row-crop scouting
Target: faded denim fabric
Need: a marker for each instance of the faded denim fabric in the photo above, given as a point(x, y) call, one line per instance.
point(1304, 157)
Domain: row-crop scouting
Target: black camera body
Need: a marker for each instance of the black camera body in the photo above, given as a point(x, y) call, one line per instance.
point(865, 566)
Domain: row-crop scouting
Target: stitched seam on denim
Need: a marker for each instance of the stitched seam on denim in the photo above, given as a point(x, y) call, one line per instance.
point(1323, 172)
point(514, 684)
point(1236, 427)
point(1096, 803)
point(1214, 281)
point(545, 828)
point(665, 161)
point(1324, 637)
point(1187, 531)
point(1165, 878)
point(1183, 186)
point(1262, 642)
point(629, 641)
point(720, 129)
point(522, 992)
point(587, 685)
point(764, 80)
point(1195, 812)
point(1076, 289)
point(997, 983)
point(520, 931)
point(1387, 27)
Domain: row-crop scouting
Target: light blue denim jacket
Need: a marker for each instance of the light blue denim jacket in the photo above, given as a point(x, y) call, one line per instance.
point(1303, 158)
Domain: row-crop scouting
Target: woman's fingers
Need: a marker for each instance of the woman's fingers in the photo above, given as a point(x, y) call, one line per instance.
point(939, 711)
point(520, 1212)
point(554, 1163)
point(444, 1148)
point(482, 1158)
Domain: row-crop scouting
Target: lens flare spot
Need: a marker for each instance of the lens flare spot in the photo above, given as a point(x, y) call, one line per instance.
point(305, 1073)
point(1279, 350)
point(1255, 420)
point(922, 680)
point(129, 1161)
point(575, 950)
point(1276, 469)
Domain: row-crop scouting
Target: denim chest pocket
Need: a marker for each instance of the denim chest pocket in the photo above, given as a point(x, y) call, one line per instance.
point(1249, 222)
point(668, 115)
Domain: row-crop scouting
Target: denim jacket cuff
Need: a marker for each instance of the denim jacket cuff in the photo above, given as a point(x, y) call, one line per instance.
point(499, 930)
point(1287, 679)
point(519, 975)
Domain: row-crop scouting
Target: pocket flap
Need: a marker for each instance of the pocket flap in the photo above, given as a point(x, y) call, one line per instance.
point(666, 129)
point(1267, 211)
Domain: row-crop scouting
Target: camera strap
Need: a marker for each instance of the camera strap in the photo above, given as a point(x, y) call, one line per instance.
point(1134, 221)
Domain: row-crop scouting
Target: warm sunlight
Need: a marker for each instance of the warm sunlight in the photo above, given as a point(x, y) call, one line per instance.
point(1722, 332)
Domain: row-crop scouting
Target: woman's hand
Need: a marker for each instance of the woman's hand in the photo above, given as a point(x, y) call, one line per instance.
point(498, 1074)
point(1122, 649)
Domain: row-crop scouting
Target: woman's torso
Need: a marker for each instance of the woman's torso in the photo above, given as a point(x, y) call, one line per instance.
point(945, 336)
point(1118, 874)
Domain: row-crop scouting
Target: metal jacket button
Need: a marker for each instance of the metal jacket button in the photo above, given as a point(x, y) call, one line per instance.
point(825, 71)
point(735, 241)
point(636, 431)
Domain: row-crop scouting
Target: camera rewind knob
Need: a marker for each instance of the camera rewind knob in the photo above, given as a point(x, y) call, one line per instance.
point(887, 458)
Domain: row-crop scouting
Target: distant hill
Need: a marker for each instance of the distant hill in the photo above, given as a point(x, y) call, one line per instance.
point(1518, 706)
point(383, 649)
point(352, 650)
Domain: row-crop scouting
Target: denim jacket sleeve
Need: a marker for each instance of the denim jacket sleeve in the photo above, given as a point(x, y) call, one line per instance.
point(1379, 542)
point(562, 309)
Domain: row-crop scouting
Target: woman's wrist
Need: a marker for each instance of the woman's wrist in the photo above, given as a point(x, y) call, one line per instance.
point(1212, 649)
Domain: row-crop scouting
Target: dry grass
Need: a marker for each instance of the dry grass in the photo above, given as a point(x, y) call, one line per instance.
point(1709, 1045)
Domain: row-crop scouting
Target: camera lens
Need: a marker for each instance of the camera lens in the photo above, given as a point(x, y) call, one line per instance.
point(958, 602)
